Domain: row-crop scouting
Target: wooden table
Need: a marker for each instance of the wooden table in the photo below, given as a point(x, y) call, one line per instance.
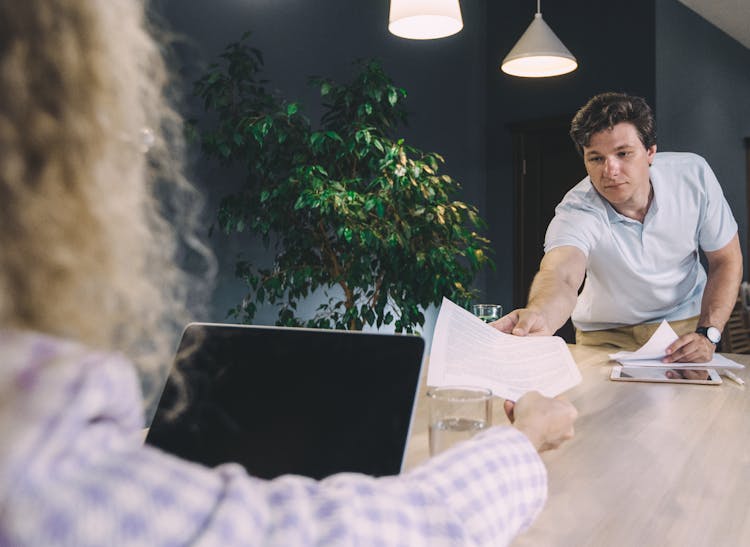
point(651, 464)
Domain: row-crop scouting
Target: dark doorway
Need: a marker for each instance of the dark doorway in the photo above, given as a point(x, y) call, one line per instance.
point(546, 165)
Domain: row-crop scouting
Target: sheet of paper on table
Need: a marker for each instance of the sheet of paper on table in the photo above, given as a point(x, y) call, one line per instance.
point(652, 352)
point(467, 351)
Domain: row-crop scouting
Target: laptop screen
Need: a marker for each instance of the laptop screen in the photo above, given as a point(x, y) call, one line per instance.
point(280, 400)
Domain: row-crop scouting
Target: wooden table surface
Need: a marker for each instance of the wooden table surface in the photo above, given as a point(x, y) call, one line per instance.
point(650, 464)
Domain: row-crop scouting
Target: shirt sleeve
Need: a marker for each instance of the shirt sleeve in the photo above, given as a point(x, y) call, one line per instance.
point(483, 493)
point(576, 223)
point(83, 477)
point(717, 223)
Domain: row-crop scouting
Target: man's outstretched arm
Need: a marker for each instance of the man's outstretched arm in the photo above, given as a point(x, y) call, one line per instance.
point(552, 296)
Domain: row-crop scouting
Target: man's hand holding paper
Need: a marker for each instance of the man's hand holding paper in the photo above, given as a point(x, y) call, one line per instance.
point(467, 351)
point(654, 352)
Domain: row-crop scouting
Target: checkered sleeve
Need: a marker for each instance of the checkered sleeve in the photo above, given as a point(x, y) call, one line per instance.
point(81, 476)
point(481, 493)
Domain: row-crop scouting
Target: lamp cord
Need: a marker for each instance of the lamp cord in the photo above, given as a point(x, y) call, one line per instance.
point(539, 6)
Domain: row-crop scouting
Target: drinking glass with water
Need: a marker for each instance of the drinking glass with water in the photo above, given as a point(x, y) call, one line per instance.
point(457, 413)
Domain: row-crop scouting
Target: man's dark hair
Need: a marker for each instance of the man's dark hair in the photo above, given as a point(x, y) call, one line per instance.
point(606, 110)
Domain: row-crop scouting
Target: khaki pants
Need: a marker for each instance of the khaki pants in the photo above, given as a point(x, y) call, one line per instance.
point(632, 337)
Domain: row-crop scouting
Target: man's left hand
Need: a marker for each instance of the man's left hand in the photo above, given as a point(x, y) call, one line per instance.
point(690, 348)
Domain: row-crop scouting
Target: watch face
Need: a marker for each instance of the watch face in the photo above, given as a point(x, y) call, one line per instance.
point(713, 334)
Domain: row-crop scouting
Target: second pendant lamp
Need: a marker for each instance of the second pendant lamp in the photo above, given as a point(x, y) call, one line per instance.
point(539, 52)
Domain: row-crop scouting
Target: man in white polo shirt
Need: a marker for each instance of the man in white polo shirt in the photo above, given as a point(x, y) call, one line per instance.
point(632, 228)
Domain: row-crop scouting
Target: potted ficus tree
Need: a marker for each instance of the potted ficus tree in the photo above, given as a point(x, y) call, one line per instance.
point(348, 208)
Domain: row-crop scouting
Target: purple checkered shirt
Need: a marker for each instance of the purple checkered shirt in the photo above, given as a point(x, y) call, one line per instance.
point(74, 471)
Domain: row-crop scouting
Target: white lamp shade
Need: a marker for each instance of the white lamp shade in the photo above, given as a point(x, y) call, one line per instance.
point(425, 19)
point(539, 53)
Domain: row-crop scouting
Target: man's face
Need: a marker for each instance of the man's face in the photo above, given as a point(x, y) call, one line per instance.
point(618, 162)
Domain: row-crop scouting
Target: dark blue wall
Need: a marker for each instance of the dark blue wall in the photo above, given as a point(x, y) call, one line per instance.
point(703, 98)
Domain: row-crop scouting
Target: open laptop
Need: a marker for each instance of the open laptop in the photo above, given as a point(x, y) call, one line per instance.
point(282, 400)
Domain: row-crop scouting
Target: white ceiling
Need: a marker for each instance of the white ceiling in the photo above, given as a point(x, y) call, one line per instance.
point(731, 16)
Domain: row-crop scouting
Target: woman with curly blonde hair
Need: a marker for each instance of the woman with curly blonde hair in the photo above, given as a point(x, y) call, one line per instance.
point(89, 286)
point(85, 252)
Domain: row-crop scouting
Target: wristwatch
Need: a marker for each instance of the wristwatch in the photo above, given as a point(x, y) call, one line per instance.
point(712, 333)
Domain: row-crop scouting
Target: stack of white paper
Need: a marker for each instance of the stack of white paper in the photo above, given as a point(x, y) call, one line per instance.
point(653, 351)
point(467, 351)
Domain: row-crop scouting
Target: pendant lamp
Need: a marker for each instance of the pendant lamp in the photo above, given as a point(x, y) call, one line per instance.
point(425, 19)
point(539, 52)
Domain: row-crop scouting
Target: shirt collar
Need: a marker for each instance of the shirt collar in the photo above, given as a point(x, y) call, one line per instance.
point(614, 217)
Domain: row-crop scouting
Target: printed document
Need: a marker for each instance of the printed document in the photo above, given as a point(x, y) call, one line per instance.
point(467, 351)
point(652, 352)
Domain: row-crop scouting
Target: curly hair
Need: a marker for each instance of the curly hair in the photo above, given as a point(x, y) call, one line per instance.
point(86, 251)
point(606, 110)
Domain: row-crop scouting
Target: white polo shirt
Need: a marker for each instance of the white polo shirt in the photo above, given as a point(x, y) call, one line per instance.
point(643, 273)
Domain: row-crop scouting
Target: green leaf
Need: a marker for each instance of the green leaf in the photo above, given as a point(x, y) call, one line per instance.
point(392, 96)
point(333, 135)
